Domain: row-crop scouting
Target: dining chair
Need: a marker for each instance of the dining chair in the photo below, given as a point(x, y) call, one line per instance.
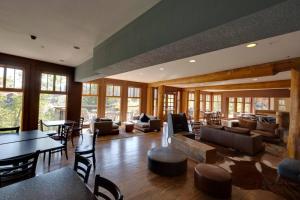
point(83, 167)
point(18, 169)
point(103, 183)
point(88, 150)
point(48, 132)
point(63, 138)
point(11, 129)
point(78, 128)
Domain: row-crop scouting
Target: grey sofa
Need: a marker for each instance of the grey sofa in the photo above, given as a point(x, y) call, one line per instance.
point(153, 124)
point(249, 144)
point(105, 126)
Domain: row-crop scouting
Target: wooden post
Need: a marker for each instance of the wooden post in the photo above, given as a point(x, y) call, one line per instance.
point(160, 111)
point(294, 131)
point(197, 106)
point(150, 100)
point(184, 101)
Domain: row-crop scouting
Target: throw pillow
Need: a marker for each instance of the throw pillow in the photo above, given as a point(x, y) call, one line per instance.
point(145, 118)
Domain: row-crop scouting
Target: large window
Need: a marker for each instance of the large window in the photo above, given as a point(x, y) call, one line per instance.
point(261, 103)
point(231, 107)
point(207, 102)
point(239, 105)
point(89, 103)
point(217, 103)
point(155, 101)
point(247, 105)
point(53, 97)
point(113, 102)
point(191, 104)
point(134, 101)
point(11, 96)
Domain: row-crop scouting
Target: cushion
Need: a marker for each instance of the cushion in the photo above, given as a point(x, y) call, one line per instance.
point(219, 127)
point(145, 118)
point(264, 133)
point(266, 127)
point(246, 123)
point(142, 124)
point(105, 120)
point(115, 126)
point(238, 130)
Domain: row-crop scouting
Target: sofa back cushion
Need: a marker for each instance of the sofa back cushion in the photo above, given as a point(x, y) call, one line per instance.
point(145, 118)
point(246, 123)
point(238, 130)
point(267, 127)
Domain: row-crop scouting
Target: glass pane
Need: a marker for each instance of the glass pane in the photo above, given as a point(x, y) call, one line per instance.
point(63, 83)
point(10, 78)
point(50, 82)
point(10, 109)
point(247, 108)
point(60, 83)
point(94, 89)
point(89, 107)
point(1, 76)
point(18, 78)
point(191, 108)
point(109, 90)
point(112, 108)
point(272, 106)
point(44, 80)
point(133, 108)
point(52, 107)
point(85, 88)
point(117, 91)
point(261, 103)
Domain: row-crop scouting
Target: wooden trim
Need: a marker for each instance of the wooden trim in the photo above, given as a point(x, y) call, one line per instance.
point(266, 69)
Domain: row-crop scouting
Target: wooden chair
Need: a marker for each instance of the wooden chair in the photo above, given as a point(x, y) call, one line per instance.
point(11, 129)
point(50, 132)
point(78, 128)
point(83, 167)
point(106, 184)
point(63, 138)
point(18, 169)
point(88, 151)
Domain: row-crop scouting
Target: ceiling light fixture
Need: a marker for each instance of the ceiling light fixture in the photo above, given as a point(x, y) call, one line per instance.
point(251, 45)
point(76, 47)
point(161, 69)
point(192, 61)
point(255, 79)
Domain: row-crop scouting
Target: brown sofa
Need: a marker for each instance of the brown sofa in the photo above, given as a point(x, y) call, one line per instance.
point(105, 126)
point(243, 141)
point(270, 132)
point(153, 124)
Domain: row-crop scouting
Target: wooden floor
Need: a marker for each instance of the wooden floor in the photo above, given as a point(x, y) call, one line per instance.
point(124, 161)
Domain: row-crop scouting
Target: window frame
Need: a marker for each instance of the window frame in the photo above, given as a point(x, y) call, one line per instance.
point(53, 91)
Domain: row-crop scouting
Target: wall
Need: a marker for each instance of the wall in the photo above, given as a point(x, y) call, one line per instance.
point(32, 70)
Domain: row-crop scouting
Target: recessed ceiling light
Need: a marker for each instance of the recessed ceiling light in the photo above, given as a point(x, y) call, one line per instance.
point(61, 60)
point(255, 79)
point(161, 69)
point(251, 45)
point(76, 47)
point(192, 61)
point(33, 37)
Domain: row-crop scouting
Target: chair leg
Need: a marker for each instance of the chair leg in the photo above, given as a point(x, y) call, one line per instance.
point(49, 158)
point(66, 152)
point(44, 156)
point(72, 137)
point(94, 160)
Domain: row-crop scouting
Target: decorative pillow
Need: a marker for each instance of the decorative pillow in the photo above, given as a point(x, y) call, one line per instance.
point(245, 123)
point(239, 130)
point(267, 127)
point(145, 118)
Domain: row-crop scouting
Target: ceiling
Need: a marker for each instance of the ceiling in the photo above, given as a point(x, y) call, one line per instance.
point(267, 50)
point(62, 24)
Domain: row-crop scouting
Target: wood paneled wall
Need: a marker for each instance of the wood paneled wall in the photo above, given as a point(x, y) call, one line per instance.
point(32, 70)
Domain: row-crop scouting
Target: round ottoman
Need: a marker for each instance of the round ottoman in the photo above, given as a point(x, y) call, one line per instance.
point(167, 161)
point(213, 180)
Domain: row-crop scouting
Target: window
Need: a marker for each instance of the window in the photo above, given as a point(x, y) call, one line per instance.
point(272, 103)
point(261, 103)
point(239, 104)
point(155, 101)
point(282, 104)
point(113, 102)
point(53, 97)
point(89, 103)
point(134, 101)
point(231, 107)
point(208, 103)
point(53, 83)
point(171, 106)
point(217, 103)
point(11, 96)
point(201, 102)
point(247, 105)
point(191, 104)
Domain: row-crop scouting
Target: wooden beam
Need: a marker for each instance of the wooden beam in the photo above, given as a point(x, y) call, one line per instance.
point(266, 69)
point(245, 86)
point(293, 146)
point(160, 104)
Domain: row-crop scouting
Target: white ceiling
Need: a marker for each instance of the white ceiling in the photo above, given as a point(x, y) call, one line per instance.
point(62, 24)
point(267, 50)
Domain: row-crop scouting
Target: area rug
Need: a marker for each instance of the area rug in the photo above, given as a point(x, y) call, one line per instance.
point(121, 135)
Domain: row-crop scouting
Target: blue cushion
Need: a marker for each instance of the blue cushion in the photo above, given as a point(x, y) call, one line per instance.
point(290, 168)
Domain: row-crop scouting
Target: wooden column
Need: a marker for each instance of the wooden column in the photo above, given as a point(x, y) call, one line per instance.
point(160, 111)
point(184, 101)
point(294, 131)
point(150, 100)
point(197, 105)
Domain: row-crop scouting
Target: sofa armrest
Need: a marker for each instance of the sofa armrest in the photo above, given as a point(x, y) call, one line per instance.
point(235, 124)
point(154, 124)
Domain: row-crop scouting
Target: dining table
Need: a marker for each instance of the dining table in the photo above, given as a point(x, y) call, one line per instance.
point(58, 123)
point(21, 136)
point(61, 184)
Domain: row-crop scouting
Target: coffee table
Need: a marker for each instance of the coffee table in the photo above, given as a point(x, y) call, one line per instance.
point(129, 126)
